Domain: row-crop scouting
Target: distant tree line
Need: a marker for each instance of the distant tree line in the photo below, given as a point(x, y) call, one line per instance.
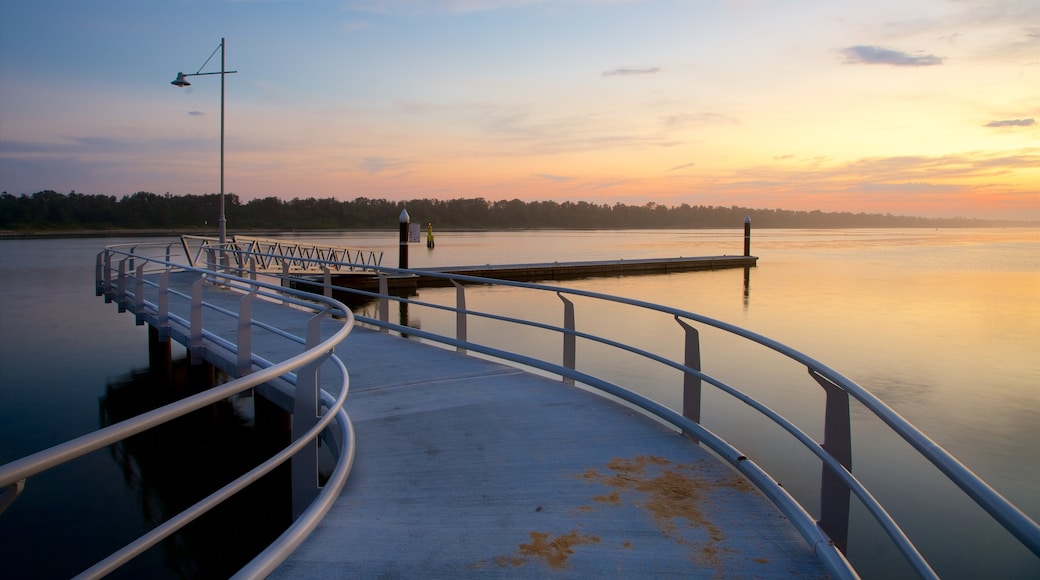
point(49, 210)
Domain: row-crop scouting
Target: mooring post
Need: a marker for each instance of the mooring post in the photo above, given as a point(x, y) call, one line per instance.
point(402, 261)
point(747, 235)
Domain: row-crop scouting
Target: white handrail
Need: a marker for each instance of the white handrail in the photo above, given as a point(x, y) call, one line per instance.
point(13, 475)
point(1016, 522)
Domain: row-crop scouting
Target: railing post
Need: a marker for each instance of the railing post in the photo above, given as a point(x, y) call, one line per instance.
point(305, 416)
point(245, 334)
point(139, 295)
point(252, 268)
point(460, 316)
point(837, 441)
point(195, 317)
point(384, 301)
point(328, 280)
point(108, 277)
point(691, 382)
point(210, 259)
point(285, 279)
point(164, 305)
point(121, 296)
point(569, 340)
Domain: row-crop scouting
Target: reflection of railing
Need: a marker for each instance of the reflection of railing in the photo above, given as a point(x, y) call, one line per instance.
point(271, 256)
point(837, 480)
point(140, 283)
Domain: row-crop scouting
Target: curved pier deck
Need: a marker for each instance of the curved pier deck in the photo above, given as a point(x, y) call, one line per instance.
point(469, 468)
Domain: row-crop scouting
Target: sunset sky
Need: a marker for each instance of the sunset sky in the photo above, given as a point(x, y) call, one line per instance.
point(920, 107)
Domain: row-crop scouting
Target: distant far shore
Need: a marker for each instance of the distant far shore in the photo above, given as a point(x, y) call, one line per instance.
point(10, 234)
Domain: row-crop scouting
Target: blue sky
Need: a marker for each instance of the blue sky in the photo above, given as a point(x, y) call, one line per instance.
point(925, 108)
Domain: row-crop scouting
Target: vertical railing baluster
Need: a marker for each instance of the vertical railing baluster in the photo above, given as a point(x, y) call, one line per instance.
point(121, 295)
point(569, 339)
point(285, 283)
point(139, 295)
point(461, 331)
point(384, 301)
point(195, 317)
point(691, 382)
point(837, 441)
point(245, 334)
point(164, 305)
point(108, 277)
point(328, 280)
point(305, 416)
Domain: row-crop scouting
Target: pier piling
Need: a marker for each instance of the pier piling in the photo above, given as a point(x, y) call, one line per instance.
point(747, 235)
point(403, 246)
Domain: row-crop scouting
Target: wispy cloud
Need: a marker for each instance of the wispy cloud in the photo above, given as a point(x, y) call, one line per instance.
point(377, 164)
point(554, 178)
point(683, 166)
point(1011, 123)
point(196, 113)
point(877, 55)
point(513, 133)
point(629, 72)
point(679, 120)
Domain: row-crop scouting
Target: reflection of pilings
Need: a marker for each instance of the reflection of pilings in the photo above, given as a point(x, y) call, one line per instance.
point(159, 357)
point(747, 284)
point(173, 465)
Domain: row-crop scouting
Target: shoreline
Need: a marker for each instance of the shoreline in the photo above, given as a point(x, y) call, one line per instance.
point(148, 232)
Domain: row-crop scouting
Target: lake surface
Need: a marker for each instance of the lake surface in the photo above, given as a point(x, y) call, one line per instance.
point(942, 325)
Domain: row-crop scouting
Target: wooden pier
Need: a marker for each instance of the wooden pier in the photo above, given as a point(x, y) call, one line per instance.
point(547, 271)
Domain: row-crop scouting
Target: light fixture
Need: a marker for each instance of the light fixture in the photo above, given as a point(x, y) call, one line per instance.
point(181, 81)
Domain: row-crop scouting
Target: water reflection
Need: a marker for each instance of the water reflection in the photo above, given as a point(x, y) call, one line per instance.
point(747, 286)
point(174, 465)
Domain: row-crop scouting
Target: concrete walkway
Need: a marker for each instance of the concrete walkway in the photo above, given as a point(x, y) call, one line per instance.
point(468, 468)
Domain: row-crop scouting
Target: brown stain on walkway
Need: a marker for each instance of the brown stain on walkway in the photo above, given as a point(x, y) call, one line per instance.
point(671, 492)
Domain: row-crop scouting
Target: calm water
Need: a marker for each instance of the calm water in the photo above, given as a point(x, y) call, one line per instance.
point(943, 325)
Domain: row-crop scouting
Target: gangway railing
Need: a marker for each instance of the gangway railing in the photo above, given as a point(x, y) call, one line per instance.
point(273, 256)
point(137, 278)
point(828, 534)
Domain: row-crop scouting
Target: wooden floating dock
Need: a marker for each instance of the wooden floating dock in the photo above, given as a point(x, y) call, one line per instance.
point(549, 271)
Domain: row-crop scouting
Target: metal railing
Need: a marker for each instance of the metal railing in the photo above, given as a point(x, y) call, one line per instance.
point(837, 482)
point(826, 535)
point(137, 278)
point(272, 256)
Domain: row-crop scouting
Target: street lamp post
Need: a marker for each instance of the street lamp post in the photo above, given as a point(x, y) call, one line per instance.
point(181, 82)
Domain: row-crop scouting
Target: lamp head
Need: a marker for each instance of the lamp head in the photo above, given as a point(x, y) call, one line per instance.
point(180, 81)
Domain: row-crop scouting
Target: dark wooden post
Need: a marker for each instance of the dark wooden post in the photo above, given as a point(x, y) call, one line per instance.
point(747, 235)
point(403, 248)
